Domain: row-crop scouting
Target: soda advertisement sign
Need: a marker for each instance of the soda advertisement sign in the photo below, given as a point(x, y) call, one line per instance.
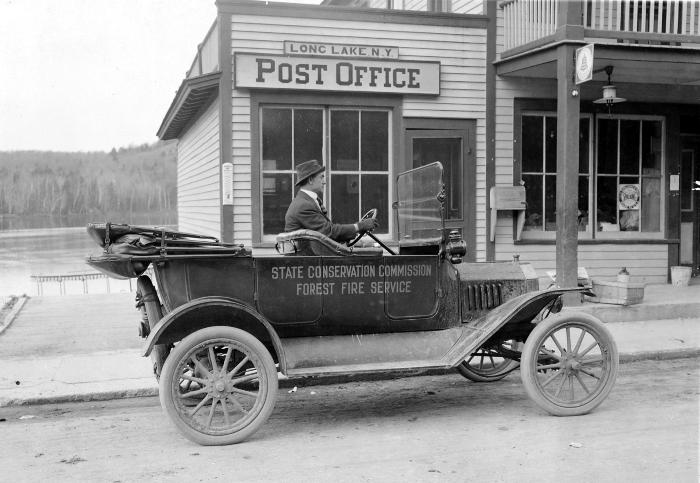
point(263, 71)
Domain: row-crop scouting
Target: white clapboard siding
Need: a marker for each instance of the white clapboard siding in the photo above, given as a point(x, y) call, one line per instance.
point(646, 263)
point(198, 179)
point(461, 52)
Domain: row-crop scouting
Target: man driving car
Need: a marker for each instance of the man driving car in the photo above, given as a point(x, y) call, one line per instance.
point(307, 211)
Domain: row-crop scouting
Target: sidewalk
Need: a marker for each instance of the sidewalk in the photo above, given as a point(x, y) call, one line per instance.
point(85, 347)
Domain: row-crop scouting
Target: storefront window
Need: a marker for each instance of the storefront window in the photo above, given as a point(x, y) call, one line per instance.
point(356, 156)
point(628, 178)
point(539, 172)
point(626, 175)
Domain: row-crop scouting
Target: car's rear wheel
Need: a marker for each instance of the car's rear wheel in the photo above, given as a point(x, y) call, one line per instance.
point(488, 364)
point(569, 364)
point(219, 385)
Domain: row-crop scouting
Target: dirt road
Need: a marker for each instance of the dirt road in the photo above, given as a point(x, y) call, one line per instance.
point(430, 428)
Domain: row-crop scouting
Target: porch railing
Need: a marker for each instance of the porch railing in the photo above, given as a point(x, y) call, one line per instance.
point(678, 21)
point(528, 20)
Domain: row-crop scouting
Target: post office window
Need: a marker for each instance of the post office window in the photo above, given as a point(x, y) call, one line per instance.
point(353, 144)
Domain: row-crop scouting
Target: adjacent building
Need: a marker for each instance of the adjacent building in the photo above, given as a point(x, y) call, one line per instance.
point(534, 107)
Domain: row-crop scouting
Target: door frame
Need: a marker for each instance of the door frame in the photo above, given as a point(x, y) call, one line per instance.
point(692, 143)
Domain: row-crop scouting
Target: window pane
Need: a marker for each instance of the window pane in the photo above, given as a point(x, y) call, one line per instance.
point(651, 147)
point(551, 145)
point(607, 203)
point(345, 194)
point(533, 198)
point(651, 204)
point(375, 141)
point(583, 218)
point(532, 144)
point(308, 135)
point(584, 137)
point(376, 195)
point(277, 194)
point(550, 203)
point(277, 139)
point(345, 140)
point(607, 146)
point(629, 147)
point(447, 151)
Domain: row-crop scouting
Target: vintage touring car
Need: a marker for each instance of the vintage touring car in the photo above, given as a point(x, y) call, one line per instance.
point(221, 324)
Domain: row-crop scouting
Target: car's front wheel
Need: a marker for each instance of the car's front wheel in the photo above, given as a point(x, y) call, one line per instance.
point(219, 385)
point(569, 364)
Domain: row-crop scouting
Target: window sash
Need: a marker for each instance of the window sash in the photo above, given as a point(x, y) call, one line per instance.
point(655, 212)
point(546, 172)
point(270, 175)
point(590, 176)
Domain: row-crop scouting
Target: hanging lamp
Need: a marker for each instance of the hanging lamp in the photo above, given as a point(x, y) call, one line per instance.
point(609, 92)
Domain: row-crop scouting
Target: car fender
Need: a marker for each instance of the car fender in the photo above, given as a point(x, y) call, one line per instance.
point(211, 311)
point(521, 309)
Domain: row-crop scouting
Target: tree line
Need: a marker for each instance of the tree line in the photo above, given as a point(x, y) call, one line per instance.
point(136, 179)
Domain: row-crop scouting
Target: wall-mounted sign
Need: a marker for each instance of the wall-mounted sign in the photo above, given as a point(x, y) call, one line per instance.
point(584, 63)
point(629, 196)
point(340, 50)
point(345, 75)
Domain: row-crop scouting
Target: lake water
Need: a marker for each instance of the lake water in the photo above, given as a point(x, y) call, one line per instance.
point(51, 251)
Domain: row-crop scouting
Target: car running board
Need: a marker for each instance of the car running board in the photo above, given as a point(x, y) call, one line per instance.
point(367, 353)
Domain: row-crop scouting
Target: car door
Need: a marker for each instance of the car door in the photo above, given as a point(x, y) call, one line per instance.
point(287, 291)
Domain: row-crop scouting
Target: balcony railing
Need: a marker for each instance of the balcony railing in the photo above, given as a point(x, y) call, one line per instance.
point(671, 17)
point(528, 20)
point(660, 21)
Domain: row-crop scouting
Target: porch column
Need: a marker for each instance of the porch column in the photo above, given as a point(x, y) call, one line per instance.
point(568, 112)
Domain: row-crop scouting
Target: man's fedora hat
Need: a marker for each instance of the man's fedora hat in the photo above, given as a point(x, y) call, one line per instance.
point(306, 170)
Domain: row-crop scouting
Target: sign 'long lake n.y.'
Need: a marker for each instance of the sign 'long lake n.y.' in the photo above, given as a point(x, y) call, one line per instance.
point(336, 74)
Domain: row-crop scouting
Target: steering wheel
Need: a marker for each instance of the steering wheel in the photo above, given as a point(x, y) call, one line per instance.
point(370, 214)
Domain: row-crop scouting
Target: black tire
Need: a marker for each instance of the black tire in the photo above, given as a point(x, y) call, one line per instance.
point(151, 304)
point(569, 364)
point(488, 365)
point(219, 385)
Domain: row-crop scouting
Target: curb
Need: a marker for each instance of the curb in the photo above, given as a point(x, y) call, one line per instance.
point(9, 318)
point(318, 380)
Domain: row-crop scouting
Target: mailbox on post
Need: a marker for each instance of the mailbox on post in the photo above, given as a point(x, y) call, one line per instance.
point(508, 198)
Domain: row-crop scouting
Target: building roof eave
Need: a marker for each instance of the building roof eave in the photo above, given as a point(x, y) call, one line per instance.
point(192, 94)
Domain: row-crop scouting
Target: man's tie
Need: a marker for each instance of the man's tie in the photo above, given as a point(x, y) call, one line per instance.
point(320, 205)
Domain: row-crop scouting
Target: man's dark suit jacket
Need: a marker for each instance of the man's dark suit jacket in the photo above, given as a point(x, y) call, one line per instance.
point(304, 213)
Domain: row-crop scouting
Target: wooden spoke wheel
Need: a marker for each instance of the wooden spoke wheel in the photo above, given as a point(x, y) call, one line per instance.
point(219, 385)
point(569, 364)
point(487, 364)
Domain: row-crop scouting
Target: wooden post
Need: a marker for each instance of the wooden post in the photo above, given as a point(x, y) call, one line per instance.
point(568, 113)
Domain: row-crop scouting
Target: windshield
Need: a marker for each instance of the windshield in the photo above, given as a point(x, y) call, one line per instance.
point(418, 208)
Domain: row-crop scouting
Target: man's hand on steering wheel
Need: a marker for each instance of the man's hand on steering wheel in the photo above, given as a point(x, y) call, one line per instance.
point(367, 223)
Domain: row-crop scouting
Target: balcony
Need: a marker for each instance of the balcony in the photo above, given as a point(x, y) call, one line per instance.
point(532, 23)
